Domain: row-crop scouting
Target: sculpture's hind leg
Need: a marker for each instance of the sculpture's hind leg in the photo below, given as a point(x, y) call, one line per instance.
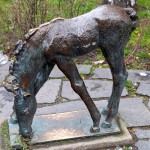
point(115, 58)
point(67, 66)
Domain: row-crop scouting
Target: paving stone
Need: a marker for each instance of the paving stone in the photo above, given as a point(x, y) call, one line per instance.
point(6, 104)
point(134, 75)
point(67, 107)
point(96, 89)
point(4, 71)
point(143, 145)
point(149, 104)
point(144, 89)
point(128, 109)
point(85, 69)
point(141, 133)
point(103, 73)
point(49, 92)
point(57, 73)
point(0, 143)
point(134, 112)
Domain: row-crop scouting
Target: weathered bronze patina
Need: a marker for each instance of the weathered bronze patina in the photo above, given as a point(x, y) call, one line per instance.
point(55, 43)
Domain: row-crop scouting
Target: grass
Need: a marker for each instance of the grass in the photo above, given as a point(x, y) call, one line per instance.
point(19, 139)
point(144, 7)
point(16, 16)
point(141, 36)
point(5, 133)
point(130, 88)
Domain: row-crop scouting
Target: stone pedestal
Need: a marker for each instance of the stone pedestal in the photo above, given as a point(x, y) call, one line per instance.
point(70, 130)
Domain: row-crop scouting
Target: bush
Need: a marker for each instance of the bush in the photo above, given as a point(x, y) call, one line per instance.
point(18, 16)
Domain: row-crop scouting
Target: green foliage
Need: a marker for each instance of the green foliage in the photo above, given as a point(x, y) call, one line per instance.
point(127, 148)
point(86, 62)
point(5, 132)
point(127, 52)
point(143, 55)
point(144, 8)
point(130, 87)
point(71, 8)
point(18, 16)
point(18, 140)
point(140, 41)
point(146, 38)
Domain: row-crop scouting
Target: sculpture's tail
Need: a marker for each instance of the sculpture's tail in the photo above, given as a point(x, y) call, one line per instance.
point(133, 15)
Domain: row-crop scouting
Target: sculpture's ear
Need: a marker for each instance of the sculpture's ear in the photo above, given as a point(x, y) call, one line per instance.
point(133, 2)
point(10, 88)
point(27, 94)
point(18, 46)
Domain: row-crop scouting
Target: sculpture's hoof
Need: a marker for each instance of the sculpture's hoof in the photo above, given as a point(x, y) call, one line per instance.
point(94, 129)
point(105, 111)
point(106, 124)
point(13, 119)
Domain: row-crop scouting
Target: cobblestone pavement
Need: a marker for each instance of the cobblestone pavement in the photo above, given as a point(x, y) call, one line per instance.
point(57, 96)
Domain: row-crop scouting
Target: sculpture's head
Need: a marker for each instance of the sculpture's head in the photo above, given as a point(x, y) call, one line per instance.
point(25, 107)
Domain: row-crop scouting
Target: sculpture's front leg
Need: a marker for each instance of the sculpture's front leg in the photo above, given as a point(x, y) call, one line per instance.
point(67, 66)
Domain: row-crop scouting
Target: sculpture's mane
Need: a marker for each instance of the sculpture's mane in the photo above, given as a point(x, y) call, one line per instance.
point(34, 30)
point(21, 47)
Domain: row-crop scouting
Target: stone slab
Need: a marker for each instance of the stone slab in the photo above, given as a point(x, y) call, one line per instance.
point(104, 142)
point(96, 89)
point(133, 75)
point(57, 73)
point(143, 145)
point(144, 89)
point(70, 126)
point(6, 104)
point(49, 92)
point(142, 134)
point(149, 104)
point(134, 112)
point(4, 71)
point(131, 110)
point(63, 126)
point(102, 73)
point(66, 107)
point(84, 69)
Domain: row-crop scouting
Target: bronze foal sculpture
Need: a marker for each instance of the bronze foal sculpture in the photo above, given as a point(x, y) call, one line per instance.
point(55, 43)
